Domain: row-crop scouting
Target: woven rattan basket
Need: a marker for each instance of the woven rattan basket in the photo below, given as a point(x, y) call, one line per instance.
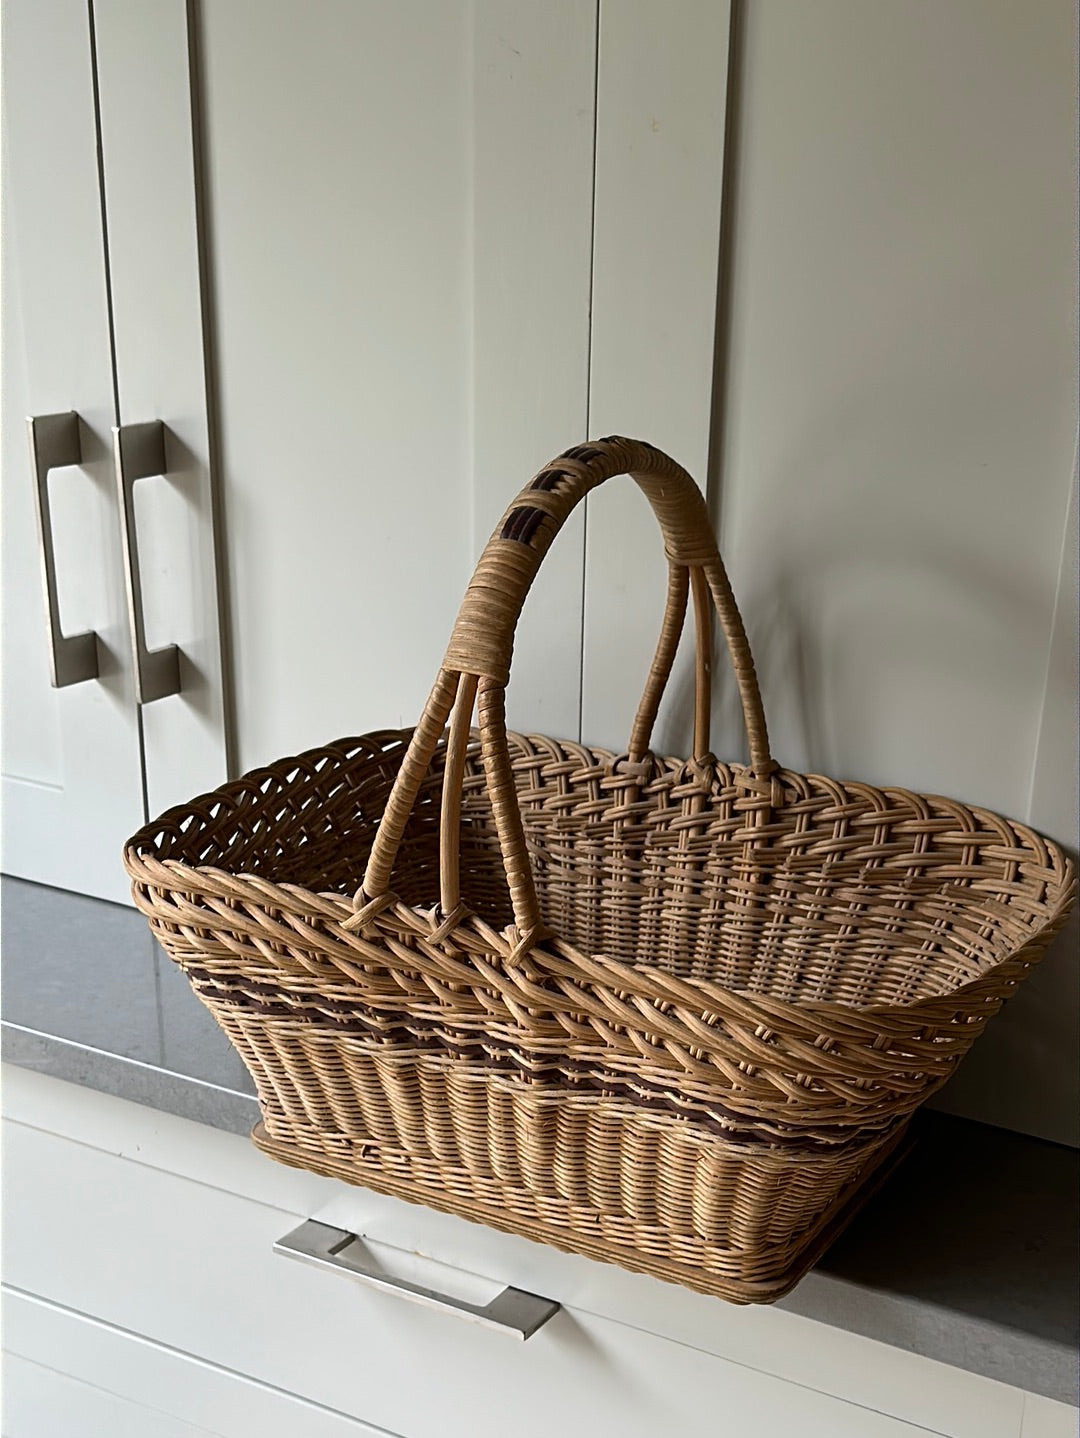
point(670, 1014)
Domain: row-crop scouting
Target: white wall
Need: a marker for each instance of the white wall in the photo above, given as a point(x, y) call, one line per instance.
point(901, 427)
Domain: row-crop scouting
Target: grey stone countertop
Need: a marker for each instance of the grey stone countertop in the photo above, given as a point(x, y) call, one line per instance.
point(967, 1254)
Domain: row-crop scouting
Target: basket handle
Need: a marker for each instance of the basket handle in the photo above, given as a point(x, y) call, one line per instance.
point(476, 666)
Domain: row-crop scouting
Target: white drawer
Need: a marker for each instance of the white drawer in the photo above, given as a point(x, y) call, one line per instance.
point(1044, 1418)
point(173, 1240)
point(115, 1384)
point(39, 1402)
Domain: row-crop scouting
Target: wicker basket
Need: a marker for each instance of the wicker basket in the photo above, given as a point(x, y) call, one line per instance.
point(670, 1014)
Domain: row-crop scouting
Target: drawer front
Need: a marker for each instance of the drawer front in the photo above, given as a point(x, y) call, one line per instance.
point(805, 1352)
point(190, 1266)
point(69, 1376)
point(39, 1402)
point(1044, 1418)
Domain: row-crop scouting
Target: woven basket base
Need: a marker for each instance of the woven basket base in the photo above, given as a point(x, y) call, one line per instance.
point(366, 1173)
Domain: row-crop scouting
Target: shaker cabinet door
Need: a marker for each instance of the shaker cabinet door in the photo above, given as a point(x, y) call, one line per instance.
point(399, 231)
point(448, 241)
point(150, 196)
point(72, 770)
point(114, 696)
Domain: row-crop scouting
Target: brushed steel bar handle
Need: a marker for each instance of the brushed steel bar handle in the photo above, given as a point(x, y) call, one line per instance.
point(54, 444)
point(512, 1311)
point(139, 453)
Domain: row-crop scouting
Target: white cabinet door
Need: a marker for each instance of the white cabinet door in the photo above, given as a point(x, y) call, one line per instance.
point(440, 255)
point(103, 317)
point(72, 772)
point(399, 225)
point(659, 177)
point(534, 72)
point(150, 193)
point(901, 425)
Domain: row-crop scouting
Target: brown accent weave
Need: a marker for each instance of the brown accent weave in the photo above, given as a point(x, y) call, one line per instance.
point(669, 1013)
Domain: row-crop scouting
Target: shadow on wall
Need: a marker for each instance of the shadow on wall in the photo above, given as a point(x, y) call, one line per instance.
point(887, 667)
point(874, 667)
point(1037, 1047)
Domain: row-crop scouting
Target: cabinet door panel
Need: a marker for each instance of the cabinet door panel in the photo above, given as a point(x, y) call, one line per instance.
point(400, 227)
point(402, 331)
point(901, 425)
point(150, 197)
point(337, 176)
point(534, 72)
point(659, 175)
point(72, 782)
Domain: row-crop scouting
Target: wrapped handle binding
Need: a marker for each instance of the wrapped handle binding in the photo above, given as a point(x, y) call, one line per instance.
point(476, 667)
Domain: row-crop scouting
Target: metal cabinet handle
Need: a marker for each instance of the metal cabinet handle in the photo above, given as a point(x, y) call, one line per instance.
point(139, 453)
point(511, 1311)
point(54, 444)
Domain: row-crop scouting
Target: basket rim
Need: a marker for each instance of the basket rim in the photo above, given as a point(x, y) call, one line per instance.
point(335, 907)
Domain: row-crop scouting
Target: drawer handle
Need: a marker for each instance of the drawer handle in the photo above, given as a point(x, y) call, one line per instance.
point(511, 1311)
point(55, 444)
point(139, 453)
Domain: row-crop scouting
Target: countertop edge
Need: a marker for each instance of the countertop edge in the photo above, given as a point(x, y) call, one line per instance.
point(158, 1088)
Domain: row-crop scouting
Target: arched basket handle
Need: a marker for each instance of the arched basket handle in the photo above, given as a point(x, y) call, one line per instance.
point(476, 666)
